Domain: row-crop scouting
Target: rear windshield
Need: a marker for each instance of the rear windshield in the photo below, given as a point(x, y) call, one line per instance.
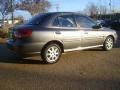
point(37, 19)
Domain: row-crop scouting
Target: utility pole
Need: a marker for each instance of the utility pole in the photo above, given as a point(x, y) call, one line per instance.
point(100, 9)
point(43, 8)
point(57, 7)
point(12, 10)
point(110, 4)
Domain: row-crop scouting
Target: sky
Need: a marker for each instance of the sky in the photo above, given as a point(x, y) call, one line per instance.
point(79, 5)
point(26, 15)
point(70, 6)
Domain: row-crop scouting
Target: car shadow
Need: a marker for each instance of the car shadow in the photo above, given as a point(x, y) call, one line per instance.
point(117, 45)
point(7, 57)
point(24, 61)
point(94, 49)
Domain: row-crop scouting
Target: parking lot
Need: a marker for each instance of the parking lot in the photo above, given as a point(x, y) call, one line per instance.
point(92, 69)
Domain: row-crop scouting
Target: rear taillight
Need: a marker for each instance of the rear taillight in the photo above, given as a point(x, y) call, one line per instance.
point(23, 33)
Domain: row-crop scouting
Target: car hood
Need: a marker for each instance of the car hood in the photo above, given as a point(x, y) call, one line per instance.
point(107, 29)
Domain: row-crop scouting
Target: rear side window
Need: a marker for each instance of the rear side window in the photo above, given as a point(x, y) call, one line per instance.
point(64, 21)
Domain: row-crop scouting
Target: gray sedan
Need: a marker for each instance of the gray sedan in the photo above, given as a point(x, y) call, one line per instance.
point(52, 34)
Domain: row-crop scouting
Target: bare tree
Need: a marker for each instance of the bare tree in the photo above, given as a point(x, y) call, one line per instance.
point(91, 9)
point(95, 11)
point(4, 9)
point(33, 6)
point(103, 10)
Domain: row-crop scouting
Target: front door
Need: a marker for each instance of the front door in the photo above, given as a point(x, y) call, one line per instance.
point(90, 36)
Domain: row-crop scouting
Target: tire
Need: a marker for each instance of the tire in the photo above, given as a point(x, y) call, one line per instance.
point(51, 53)
point(108, 44)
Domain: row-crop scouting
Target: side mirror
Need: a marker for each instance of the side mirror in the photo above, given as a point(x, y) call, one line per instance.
point(97, 26)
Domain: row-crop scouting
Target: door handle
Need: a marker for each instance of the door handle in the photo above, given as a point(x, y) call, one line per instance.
point(58, 32)
point(85, 32)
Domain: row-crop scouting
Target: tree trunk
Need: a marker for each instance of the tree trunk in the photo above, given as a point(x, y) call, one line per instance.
point(3, 19)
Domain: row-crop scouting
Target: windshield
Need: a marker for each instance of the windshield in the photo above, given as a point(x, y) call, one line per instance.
point(37, 19)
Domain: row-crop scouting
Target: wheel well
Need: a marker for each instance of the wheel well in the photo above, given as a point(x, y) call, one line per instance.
point(112, 37)
point(55, 42)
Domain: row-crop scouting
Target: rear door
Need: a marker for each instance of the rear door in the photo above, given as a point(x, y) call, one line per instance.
point(67, 31)
point(90, 36)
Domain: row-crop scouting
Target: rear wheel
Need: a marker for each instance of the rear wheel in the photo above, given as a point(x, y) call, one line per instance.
point(51, 53)
point(108, 44)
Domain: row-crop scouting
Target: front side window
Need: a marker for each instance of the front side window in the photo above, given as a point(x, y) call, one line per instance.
point(64, 21)
point(85, 22)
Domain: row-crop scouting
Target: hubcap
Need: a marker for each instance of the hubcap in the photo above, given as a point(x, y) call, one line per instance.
point(52, 53)
point(109, 43)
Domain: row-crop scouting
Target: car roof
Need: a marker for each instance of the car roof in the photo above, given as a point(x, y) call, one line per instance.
point(57, 13)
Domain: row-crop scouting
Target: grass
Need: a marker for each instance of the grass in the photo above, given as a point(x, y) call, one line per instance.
point(3, 41)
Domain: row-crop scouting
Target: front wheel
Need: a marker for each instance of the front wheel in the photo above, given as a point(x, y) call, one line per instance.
point(51, 53)
point(108, 44)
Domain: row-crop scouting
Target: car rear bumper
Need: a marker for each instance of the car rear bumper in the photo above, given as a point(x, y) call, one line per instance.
point(24, 48)
point(14, 47)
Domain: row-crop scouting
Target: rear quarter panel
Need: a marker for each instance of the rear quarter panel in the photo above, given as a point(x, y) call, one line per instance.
point(40, 38)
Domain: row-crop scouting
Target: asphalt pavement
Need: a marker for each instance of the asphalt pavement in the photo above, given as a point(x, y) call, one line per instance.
point(92, 69)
